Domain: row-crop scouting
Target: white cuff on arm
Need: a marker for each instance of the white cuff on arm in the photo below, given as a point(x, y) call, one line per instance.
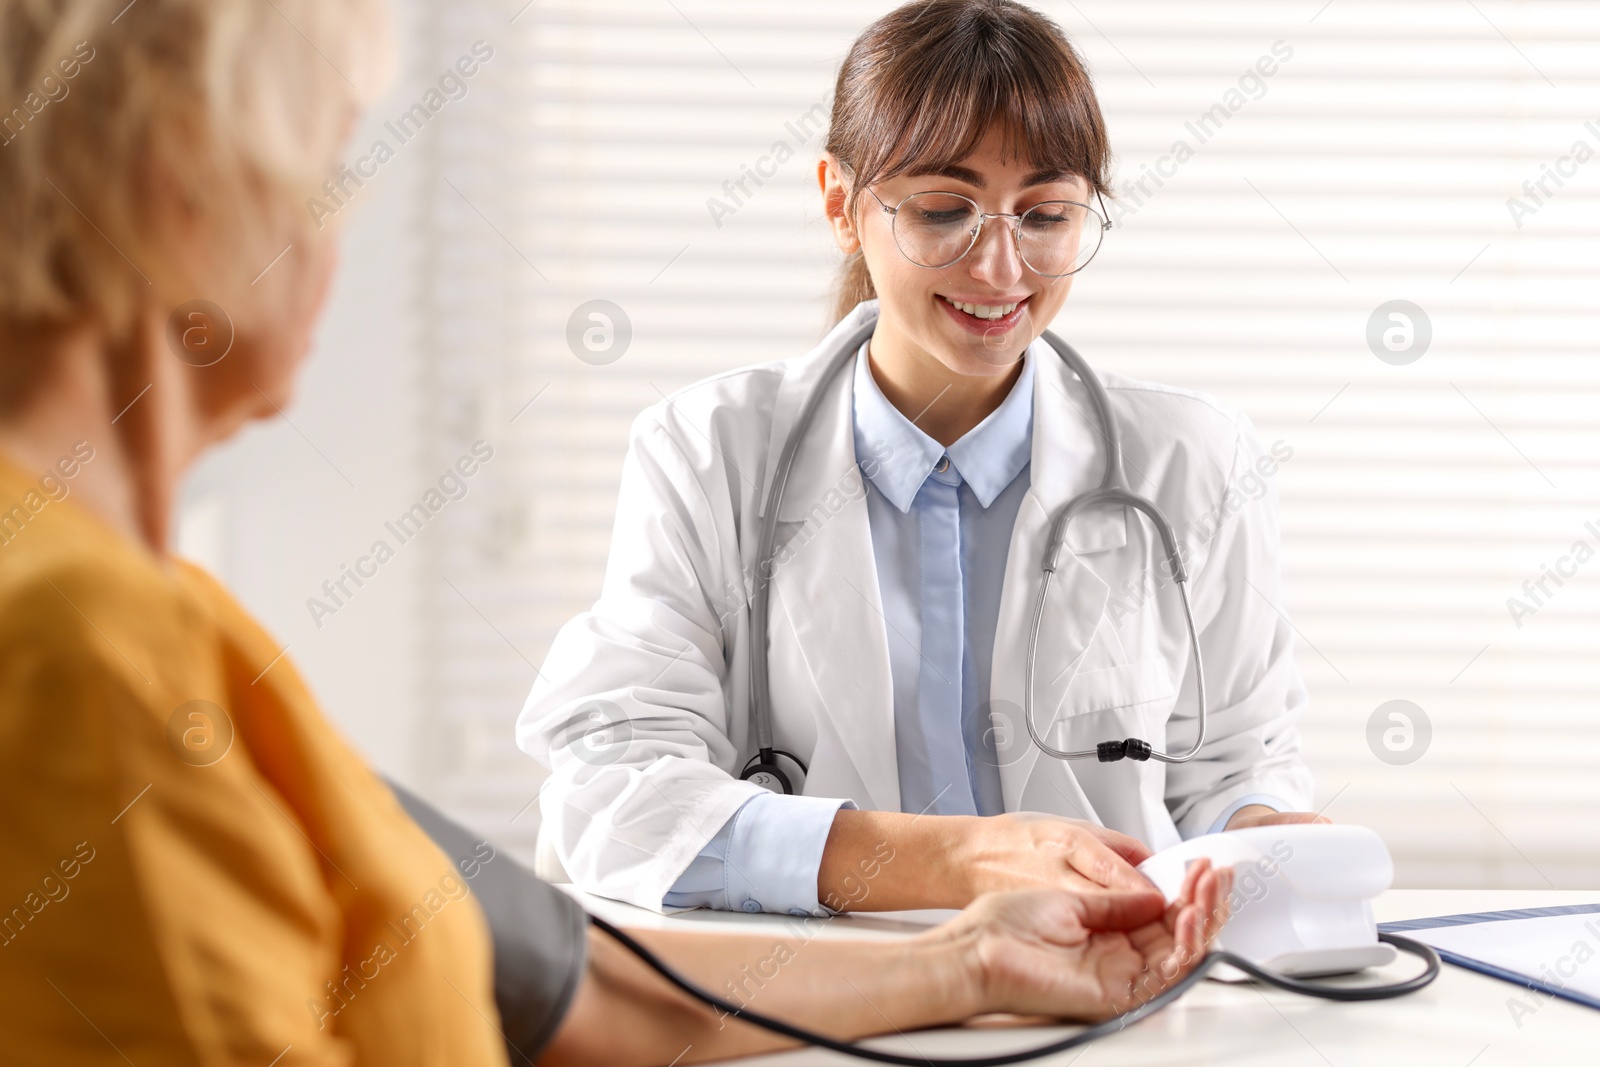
point(1244, 802)
point(765, 858)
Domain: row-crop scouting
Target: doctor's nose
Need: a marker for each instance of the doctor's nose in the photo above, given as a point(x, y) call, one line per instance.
point(994, 259)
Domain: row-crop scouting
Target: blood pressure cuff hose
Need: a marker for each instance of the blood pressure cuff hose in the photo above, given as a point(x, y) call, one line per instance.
point(539, 932)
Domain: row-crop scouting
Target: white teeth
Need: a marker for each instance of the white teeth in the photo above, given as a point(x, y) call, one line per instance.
point(984, 311)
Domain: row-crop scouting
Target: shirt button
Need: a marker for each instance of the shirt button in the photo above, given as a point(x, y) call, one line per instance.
point(799, 912)
point(751, 905)
point(943, 464)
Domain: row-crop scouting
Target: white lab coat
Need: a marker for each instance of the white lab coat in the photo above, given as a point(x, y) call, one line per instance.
point(666, 646)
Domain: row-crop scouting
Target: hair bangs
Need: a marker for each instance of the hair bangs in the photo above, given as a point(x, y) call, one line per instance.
point(938, 102)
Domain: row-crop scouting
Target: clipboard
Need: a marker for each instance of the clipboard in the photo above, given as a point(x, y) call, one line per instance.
point(1554, 951)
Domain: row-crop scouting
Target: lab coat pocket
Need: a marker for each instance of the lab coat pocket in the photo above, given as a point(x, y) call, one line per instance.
point(1128, 685)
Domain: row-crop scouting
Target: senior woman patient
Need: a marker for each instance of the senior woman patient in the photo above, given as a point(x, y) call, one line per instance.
point(195, 867)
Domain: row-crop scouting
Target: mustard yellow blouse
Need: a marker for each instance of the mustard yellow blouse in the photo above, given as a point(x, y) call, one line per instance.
point(194, 867)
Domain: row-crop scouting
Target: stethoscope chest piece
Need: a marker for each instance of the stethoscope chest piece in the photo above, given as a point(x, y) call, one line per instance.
point(769, 778)
point(763, 770)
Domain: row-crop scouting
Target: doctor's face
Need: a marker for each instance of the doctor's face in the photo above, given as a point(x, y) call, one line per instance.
point(975, 315)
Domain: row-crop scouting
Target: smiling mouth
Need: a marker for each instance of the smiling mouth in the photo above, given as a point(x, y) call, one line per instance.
point(985, 311)
point(991, 322)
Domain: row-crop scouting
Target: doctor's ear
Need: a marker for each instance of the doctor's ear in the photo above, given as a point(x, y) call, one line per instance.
point(835, 195)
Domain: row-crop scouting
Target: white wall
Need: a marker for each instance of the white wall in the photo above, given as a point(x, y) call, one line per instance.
point(279, 509)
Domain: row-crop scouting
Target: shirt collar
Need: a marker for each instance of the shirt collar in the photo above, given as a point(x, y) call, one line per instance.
point(897, 456)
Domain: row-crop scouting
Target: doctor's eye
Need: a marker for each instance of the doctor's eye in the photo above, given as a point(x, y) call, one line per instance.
point(1054, 216)
point(938, 209)
point(1054, 221)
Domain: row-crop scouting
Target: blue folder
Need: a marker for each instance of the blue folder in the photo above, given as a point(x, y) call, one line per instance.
point(1531, 982)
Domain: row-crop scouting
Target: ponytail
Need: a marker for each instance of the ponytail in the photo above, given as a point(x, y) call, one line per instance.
point(853, 285)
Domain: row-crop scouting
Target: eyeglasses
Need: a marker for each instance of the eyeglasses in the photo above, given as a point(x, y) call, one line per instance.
point(1054, 239)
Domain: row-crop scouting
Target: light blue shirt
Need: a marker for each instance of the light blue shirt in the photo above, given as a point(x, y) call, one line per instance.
point(941, 529)
point(939, 540)
point(941, 522)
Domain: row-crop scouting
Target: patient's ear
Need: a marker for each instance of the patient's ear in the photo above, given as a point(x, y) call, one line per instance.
point(835, 198)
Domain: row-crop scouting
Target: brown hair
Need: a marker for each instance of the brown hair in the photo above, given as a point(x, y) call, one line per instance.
point(924, 85)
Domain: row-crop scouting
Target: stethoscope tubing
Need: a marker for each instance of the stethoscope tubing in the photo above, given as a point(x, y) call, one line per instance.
point(1113, 490)
point(1199, 681)
point(766, 542)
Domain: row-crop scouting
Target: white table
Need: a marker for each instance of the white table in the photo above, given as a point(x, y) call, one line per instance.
point(1461, 1019)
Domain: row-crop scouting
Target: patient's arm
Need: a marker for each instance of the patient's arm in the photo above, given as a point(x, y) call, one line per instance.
point(625, 1014)
point(1047, 952)
point(1036, 952)
point(538, 932)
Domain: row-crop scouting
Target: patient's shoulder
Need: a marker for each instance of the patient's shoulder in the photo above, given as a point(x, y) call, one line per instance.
point(81, 607)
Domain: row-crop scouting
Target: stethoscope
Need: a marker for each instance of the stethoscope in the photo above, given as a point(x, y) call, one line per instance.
point(763, 769)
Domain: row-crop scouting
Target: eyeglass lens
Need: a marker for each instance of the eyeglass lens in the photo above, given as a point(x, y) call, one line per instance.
point(1055, 238)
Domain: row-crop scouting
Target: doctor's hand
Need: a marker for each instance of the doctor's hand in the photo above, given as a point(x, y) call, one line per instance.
point(1025, 850)
point(891, 860)
point(1260, 815)
point(1087, 956)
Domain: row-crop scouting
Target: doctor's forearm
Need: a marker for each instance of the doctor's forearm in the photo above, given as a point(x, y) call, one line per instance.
point(893, 861)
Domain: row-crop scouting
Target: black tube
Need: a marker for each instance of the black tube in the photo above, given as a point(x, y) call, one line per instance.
point(1082, 1037)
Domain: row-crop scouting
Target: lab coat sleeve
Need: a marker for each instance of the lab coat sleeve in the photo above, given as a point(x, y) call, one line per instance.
point(765, 859)
point(630, 711)
point(1255, 693)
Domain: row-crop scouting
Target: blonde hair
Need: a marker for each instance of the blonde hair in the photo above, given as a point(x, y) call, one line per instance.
point(113, 117)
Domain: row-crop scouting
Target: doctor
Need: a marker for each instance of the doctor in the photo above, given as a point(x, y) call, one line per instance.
point(910, 539)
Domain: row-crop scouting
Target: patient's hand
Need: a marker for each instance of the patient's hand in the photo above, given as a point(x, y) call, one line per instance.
point(1087, 956)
